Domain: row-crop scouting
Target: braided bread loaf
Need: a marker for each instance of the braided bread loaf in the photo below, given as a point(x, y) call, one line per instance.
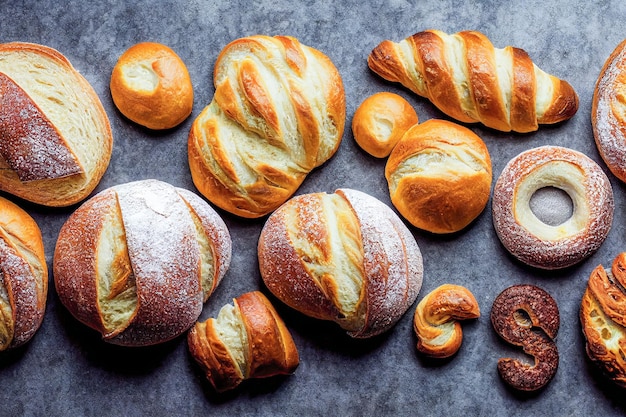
point(277, 113)
point(470, 80)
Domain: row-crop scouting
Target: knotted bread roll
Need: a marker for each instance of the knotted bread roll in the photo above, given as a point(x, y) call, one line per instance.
point(23, 276)
point(470, 80)
point(55, 138)
point(344, 257)
point(136, 261)
point(277, 113)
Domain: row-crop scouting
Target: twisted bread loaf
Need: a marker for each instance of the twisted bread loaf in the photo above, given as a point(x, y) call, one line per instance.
point(470, 80)
point(55, 138)
point(603, 319)
point(344, 257)
point(136, 261)
point(23, 276)
point(247, 340)
point(277, 113)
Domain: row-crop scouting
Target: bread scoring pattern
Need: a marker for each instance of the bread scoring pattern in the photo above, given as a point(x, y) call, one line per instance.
point(277, 113)
point(469, 79)
point(137, 261)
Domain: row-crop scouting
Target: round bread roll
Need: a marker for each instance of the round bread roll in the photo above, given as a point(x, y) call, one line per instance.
point(56, 139)
point(24, 279)
point(608, 112)
point(552, 246)
point(151, 86)
point(380, 121)
point(278, 112)
point(136, 261)
point(439, 176)
point(345, 257)
point(603, 319)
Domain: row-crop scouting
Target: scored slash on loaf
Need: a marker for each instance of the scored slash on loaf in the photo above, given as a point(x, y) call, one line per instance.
point(278, 112)
point(344, 257)
point(136, 261)
point(55, 137)
point(470, 80)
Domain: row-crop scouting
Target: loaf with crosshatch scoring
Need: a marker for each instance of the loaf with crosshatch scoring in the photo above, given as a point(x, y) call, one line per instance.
point(469, 79)
point(278, 112)
point(137, 261)
point(55, 137)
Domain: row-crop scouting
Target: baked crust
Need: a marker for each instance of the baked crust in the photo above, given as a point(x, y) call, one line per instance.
point(151, 86)
point(473, 88)
point(344, 257)
point(261, 347)
point(130, 262)
point(608, 112)
point(23, 278)
point(439, 176)
point(603, 319)
point(278, 112)
point(55, 134)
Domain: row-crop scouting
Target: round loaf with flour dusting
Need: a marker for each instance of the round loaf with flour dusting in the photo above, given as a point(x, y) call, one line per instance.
point(137, 261)
point(552, 246)
point(608, 112)
point(344, 257)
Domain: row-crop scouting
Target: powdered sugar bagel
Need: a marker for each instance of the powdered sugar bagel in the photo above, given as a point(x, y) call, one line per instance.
point(345, 257)
point(535, 242)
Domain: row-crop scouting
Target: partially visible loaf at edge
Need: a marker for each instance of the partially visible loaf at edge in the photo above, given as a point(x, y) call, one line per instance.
point(55, 137)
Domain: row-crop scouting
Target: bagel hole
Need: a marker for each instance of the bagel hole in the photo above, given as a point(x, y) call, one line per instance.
point(552, 205)
point(522, 318)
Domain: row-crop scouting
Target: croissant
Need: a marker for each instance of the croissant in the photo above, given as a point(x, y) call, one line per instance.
point(247, 340)
point(277, 113)
point(470, 80)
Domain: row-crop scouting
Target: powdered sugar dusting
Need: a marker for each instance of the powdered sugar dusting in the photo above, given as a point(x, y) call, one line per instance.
point(609, 126)
point(28, 141)
point(569, 250)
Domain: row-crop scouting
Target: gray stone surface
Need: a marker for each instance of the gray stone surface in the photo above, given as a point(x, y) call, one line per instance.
point(66, 370)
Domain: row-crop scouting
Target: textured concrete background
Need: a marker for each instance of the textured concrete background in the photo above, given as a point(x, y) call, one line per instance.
point(67, 370)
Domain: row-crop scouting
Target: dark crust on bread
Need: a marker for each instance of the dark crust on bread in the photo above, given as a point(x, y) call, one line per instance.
point(536, 337)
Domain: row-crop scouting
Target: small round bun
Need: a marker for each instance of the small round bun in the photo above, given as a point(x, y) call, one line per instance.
point(24, 283)
point(608, 112)
point(380, 121)
point(552, 246)
point(439, 176)
point(151, 86)
point(344, 257)
point(137, 261)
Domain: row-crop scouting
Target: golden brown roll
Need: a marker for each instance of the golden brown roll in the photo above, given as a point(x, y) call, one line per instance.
point(151, 86)
point(380, 121)
point(246, 340)
point(344, 257)
point(552, 246)
point(470, 80)
point(136, 261)
point(24, 279)
point(608, 112)
point(603, 319)
point(436, 320)
point(439, 176)
point(278, 112)
point(56, 139)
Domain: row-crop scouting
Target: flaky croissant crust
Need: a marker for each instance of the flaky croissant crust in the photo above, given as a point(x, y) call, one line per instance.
point(471, 81)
